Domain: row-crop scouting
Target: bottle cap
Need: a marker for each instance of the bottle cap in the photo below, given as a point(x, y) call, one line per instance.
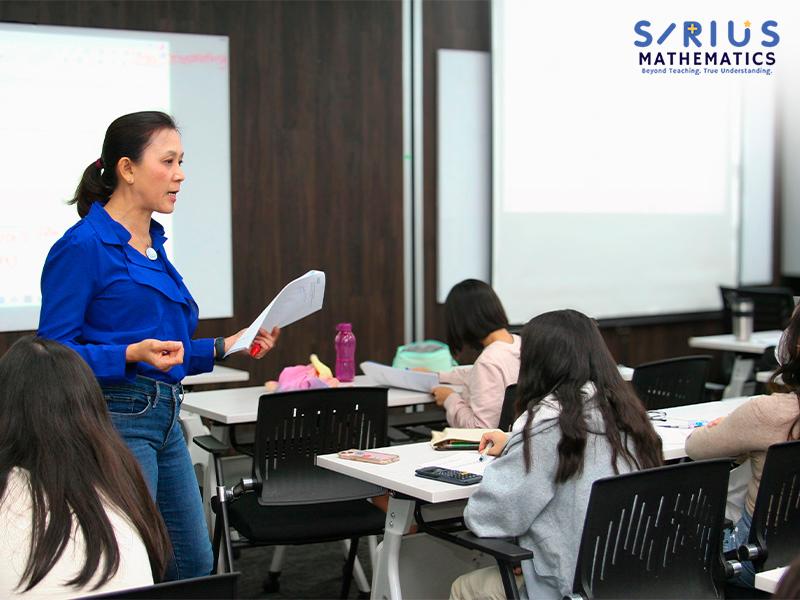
point(344, 327)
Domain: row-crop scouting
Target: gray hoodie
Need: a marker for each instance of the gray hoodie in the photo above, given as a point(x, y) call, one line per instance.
point(545, 517)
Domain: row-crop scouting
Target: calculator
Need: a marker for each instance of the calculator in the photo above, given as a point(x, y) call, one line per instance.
point(448, 475)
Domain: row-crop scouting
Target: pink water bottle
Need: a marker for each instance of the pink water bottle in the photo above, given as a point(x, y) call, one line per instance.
point(345, 344)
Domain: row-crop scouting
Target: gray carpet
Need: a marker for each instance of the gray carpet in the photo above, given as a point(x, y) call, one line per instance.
point(309, 571)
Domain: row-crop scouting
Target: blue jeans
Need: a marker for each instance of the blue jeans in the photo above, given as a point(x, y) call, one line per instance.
point(145, 413)
point(741, 531)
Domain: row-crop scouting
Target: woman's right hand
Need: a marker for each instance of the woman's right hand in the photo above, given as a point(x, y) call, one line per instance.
point(162, 355)
point(498, 440)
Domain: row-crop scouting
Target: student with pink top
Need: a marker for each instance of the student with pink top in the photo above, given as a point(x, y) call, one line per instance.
point(476, 318)
point(752, 428)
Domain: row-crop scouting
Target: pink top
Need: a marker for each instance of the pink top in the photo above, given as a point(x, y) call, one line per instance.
point(485, 383)
point(747, 433)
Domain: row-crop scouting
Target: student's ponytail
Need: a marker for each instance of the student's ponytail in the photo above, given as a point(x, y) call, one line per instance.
point(96, 184)
point(126, 137)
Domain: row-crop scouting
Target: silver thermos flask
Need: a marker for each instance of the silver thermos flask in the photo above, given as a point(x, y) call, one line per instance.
point(742, 315)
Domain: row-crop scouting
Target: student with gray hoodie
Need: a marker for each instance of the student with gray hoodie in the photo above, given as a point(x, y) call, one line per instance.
point(578, 422)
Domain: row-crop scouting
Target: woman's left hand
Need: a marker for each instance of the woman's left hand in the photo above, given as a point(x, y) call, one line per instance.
point(440, 394)
point(265, 340)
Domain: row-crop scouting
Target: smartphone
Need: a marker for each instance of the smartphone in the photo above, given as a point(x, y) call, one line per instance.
point(370, 456)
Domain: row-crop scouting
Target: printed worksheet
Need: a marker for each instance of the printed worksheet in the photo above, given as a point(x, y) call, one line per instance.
point(419, 381)
point(298, 299)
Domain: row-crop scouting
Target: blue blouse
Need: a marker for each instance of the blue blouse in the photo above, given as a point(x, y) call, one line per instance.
point(99, 295)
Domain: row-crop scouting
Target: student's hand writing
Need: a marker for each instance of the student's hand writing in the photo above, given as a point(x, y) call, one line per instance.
point(440, 394)
point(498, 439)
point(264, 340)
point(163, 355)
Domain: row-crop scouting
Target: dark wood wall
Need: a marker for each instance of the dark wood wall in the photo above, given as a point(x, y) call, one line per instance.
point(316, 156)
point(466, 25)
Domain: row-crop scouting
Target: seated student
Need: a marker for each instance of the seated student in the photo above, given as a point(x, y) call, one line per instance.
point(476, 318)
point(579, 422)
point(75, 514)
point(752, 428)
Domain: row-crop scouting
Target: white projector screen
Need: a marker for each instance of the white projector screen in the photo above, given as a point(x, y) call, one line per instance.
point(61, 88)
point(615, 192)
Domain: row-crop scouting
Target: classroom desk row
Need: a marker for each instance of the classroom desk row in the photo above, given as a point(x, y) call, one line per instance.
point(406, 488)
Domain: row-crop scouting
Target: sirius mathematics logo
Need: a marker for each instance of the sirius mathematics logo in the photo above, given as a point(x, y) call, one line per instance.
point(707, 48)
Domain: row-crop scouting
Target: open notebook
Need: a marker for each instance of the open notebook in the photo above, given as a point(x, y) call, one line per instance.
point(454, 438)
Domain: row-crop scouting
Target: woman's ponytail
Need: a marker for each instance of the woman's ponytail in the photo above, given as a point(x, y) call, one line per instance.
point(96, 184)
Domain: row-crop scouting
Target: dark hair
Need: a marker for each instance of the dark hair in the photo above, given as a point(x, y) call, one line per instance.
point(472, 311)
point(54, 423)
point(789, 585)
point(789, 369)
point(127, 136)
point(561, 351)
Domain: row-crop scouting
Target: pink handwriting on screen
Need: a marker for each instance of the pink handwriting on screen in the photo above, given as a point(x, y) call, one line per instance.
point(200, 58)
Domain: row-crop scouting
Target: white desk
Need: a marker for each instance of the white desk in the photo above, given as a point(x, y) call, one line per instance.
point(240, 405)
point(758, 342)
point(767, 581)
point(742, 367)
point(219, 374)
point(399, 478)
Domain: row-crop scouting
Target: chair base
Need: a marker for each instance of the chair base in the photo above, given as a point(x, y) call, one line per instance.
point(272, 583)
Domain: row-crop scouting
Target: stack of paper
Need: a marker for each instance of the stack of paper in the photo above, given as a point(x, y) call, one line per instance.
point(400, 378)
point(298, 299)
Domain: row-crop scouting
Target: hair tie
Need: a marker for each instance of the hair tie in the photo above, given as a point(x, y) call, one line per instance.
point(99, 163)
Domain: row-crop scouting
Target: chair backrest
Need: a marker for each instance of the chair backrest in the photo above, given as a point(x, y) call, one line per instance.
point(772, 306)
point(294, 427)
point(509, 408)
point(655, 533)
point(672, 382)
point(776, 518)
point(212, 587)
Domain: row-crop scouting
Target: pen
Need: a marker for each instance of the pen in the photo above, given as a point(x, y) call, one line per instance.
point(485, 450)
point(255, 349)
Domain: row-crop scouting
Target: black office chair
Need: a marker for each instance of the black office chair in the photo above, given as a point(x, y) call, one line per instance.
point(509, 408)
point(655, 534)
point(772, 306)
point(296, 502)
point(213, 587)
point(672, 382)
point(774, 538)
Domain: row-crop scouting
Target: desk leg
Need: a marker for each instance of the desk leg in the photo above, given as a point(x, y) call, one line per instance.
point(386, 578)
point(742, 371)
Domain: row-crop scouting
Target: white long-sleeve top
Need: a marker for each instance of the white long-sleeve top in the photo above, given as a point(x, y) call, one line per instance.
point(15, 524)
point(484, 385)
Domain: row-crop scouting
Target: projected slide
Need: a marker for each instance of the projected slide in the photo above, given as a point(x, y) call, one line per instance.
point(61, 88)
point(59, 94)
point(618, 184)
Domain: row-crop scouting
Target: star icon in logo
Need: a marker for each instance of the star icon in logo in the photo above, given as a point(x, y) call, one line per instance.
point(747, 23)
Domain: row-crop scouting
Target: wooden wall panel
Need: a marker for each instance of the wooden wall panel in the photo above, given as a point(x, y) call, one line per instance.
point(316, 156)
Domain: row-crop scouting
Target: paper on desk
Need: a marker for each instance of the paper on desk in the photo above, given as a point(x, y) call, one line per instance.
point(463, 460)
point(419, 381)
point(298, 299)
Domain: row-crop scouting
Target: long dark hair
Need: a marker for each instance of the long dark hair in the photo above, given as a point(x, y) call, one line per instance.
point(789, 368)
point(55, 425)
point(561, 351)
point(472, 311)
point(127, 136)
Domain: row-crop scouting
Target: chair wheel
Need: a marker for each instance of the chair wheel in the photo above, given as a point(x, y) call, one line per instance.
point(271, 584)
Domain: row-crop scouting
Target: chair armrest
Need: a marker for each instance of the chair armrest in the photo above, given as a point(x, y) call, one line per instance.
point(500, 549)
point(211, 444)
